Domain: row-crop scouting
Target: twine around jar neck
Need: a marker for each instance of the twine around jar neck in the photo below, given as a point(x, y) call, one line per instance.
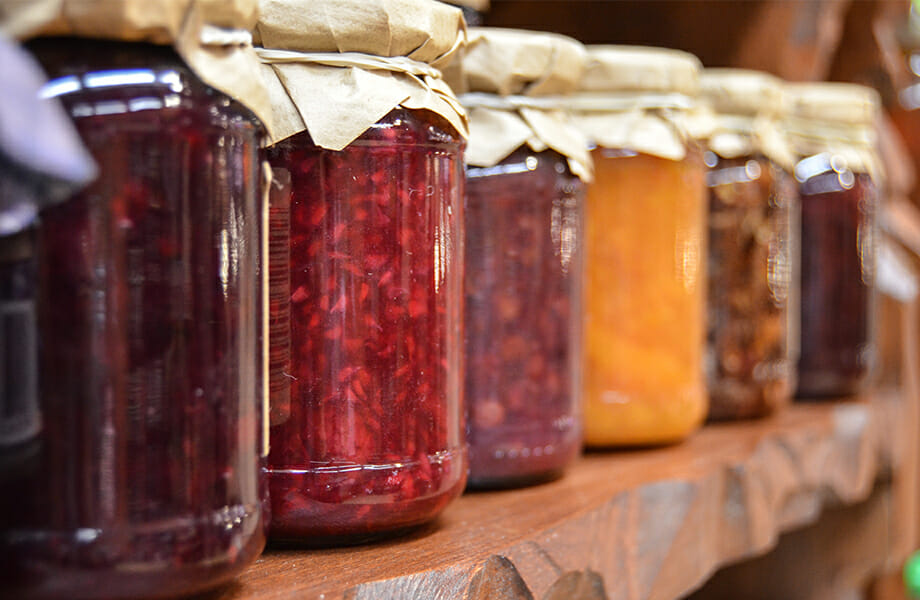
point(627, 101)
point(511, 102)
point(395, 64)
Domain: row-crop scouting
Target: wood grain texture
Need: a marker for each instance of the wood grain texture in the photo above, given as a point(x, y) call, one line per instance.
point(830, 560)
point(629, 525)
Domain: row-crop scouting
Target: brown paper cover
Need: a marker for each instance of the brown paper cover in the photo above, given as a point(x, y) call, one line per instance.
point(336, 67)
point(514, 85)
point(837, 118)
point(641, 99)
point(211, 36)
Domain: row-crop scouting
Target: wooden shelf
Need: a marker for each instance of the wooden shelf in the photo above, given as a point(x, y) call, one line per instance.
point(639, 524)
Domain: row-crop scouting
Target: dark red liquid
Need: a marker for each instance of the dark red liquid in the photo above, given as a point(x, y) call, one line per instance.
point(366, 425)
point(145, 483)
point(838, 270)
point(523, 318)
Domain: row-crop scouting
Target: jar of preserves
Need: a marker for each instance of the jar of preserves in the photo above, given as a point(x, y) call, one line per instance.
point(831, 129)
point(523, 272)
point(145, 482)
point(366, 420)
point(645, 248)
point(753, 207)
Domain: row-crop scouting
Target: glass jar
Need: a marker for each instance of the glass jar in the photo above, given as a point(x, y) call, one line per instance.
point(146, 478)
point(367, 438)
point(523, 283)
point(831, 127)
point(645, 250)
point(645, 298)
point(839, 212)
point(753, 208)
point(750, 272)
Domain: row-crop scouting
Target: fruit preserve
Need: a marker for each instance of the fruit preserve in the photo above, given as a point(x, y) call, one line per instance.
point(144, 481)
point(750, 272)
point(838, 263)
point(831, 127)
point(523, 317)
point(645, 299)
point(752, 259)
point(366, 426)
point(645, 249)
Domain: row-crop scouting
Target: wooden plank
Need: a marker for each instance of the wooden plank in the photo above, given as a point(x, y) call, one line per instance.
point(834, 558)
point(639, 524)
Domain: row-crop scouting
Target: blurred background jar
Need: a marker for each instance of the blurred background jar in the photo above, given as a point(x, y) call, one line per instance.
point(753, 256)
point(526, 171)
point(645, 248)
point(831, 129)
point(366, 417)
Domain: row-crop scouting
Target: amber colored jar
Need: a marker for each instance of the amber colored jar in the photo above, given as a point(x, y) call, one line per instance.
point(145, 478)
point(831, 129)
point(753, 258)
point(645, 249)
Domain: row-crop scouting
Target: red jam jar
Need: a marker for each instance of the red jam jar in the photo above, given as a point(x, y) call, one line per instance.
point(365, 270)
point(144, 480)
point(831, 127)
point(367, 437)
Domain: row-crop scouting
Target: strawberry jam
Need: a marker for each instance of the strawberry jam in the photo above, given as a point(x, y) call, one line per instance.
point(366, 422)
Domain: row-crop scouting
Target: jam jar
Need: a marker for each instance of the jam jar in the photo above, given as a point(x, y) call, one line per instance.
point(523, 273)
point(753, 206)
point(366, 435)
point(365, 270)
point(145, 477)
point(523, 280)
point(645, 248)
point(831, 128)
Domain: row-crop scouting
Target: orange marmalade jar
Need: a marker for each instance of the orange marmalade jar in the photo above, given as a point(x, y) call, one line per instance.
point(645, 248)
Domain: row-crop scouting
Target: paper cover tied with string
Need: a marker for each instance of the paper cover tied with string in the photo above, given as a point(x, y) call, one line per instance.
point(638, 98)
point(835, 118)
point(336, 67)
point(514, 84)
point(212, 36)
point(745, 109)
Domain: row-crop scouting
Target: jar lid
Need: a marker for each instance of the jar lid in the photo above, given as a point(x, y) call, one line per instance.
point(516, 62)
point(835, 118)
point(213, 38)
point(423, 30)
point(512, 82)
point(640, 69)
point(844, 103)
point(741, 91)
point(336, 67)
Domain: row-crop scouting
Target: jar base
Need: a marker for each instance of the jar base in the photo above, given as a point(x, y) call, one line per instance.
point(825, 386)
point(301, 517)
point(483, 484)
point(40, 574)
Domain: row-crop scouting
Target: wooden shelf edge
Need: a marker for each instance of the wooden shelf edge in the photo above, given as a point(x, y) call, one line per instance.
point(649, 524)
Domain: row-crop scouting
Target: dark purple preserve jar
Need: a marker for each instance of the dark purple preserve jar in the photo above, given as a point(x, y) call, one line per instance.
point(831, 128)
point(523, 281)
point(143, 481)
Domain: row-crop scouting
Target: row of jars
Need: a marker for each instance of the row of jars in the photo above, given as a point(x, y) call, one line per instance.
point(200, 351)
